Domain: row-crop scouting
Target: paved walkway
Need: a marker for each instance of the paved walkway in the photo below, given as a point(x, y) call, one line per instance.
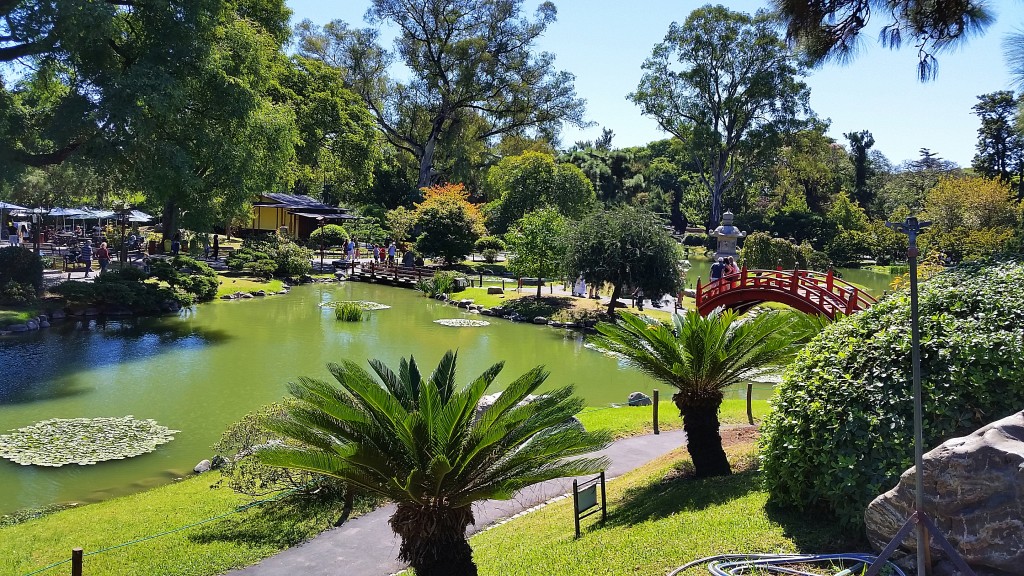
point(366, 546)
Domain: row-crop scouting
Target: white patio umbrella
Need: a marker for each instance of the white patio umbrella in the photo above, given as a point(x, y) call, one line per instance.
point(139, 216)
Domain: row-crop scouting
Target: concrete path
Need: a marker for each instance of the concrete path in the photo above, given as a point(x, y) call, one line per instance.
point(366, 546)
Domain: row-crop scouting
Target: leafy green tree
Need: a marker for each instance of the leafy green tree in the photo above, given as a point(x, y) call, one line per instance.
point(338, 139)
point(624, 247)
point(1000, 141)
point(701, 356)
point(971, 217)
point(449, 224)
point(728, 82)
point(860, 143)
point(537, 245)
point(522, 184)
point(830, 29)
point(401, 221)
point(468, 60)
point(809, 171)
point(427, 445)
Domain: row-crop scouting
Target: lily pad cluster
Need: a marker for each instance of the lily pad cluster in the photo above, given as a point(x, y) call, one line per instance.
point(82, 441)
point(364, 304)
point(461, 322)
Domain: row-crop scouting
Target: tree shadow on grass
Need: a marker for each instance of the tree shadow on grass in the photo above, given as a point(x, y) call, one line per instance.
point(817, 531)
point(663, 499)
point(278, 524)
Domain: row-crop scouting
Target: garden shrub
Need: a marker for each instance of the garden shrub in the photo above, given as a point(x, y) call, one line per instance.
point(22, 266)
point(695, 239)
point(762, 251)
point(841, 432)
point(191, 275)
point(442, 282)
point(848, 247)
point(17, 293)
point(489, 243)
point(247, 475)
point(490, 255)
point(331, 234)
point(277, 257)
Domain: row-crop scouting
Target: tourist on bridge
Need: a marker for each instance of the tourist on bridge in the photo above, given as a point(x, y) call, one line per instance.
point(718, 270)
point(730, 266)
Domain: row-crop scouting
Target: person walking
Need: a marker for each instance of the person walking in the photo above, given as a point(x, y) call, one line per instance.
point(103, 256)
point(392, 250)
point(176, 244)
point(85, 256)
point(216, 248)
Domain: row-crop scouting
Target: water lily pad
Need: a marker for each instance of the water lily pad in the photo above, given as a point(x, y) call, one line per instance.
point(82, 441)
point(461, 322)
point(364, 304)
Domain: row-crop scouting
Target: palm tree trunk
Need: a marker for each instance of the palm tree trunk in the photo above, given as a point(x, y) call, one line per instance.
point(434, 539)
point(703, 441)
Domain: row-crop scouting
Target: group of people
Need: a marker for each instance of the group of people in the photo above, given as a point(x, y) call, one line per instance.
point(86, 254)
point(725, 266)
point(382, 253)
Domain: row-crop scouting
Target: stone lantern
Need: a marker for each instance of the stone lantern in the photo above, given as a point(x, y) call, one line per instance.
point(727, 235)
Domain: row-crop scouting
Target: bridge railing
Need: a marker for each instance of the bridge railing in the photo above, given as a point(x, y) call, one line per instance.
point(823, 290)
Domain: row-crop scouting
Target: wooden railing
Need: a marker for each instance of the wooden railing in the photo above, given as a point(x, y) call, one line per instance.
point(820, 292)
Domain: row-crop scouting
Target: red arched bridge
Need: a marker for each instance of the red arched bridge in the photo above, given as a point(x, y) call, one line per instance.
point(804, 290)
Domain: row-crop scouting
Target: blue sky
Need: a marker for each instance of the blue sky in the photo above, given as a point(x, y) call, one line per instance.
point(604, 42)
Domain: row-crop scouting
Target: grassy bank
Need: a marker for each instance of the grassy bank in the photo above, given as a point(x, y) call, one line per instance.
point(636, 420)
point(238, 539)
point(230, 283)
point(17, 315)
point(658, 521)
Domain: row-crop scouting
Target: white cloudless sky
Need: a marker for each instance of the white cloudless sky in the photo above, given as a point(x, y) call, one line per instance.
point(604, 42)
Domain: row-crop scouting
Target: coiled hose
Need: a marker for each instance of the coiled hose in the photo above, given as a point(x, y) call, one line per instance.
point(741, 564)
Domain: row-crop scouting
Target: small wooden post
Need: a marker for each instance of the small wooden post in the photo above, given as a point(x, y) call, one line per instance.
point(481, 278)
point(604, 500)
point(829, 279)
point(698, 294)
point(76, 562)
point(656, 431)
point(576, 505)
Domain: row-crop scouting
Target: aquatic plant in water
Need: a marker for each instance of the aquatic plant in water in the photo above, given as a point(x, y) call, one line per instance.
point(82, 441)
point(461, 322)
point(348, 312)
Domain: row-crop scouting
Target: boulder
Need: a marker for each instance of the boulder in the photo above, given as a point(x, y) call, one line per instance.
point(495, 290)
point(540, 320)
point(474, 311)
point(487, 312)
point(554, 323)
point(16, 328)
point(32, 324)
point(58, 315)
point(246, 295)
point(42, 318)
point(204, 466)
point(228, 297)
point(261, 293)
point(44, 324)
point(639, 399)
point(461, 282)
point(974, 491)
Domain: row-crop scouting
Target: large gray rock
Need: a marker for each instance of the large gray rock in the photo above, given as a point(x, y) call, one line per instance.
point(974, 491)
point(639, 399)
point(495, 290)
point(17, 328)
point(203, 466)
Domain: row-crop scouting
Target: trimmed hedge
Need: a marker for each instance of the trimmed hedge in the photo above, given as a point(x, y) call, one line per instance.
point(841, 428)
point(333, 235)
point(21, 266)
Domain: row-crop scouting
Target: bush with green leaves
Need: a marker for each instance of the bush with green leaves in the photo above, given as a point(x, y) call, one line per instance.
point(442, 282)
point(278, 256)
point(17, 294)
point(189, 274)
point(849, 247)
point(115, 288)
point(330, 235)
point(490, 255)
point(22, 266)
point(840, 431)
point(489, 243)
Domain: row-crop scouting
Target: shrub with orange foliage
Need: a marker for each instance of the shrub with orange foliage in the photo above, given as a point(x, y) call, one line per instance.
point(449, 222)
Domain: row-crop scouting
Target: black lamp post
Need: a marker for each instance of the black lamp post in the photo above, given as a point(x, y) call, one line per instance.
point(123, 213)
point(36, 225)
point(320, 221)
point(919, 519)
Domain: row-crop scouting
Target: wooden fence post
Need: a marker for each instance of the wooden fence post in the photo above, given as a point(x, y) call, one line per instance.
point(76, 562)
point(656, 430)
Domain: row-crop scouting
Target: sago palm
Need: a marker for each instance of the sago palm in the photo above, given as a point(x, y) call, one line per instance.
point(701, 357)
point(422, 443)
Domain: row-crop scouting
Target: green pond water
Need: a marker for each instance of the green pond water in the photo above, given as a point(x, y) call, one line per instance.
point(202, 370)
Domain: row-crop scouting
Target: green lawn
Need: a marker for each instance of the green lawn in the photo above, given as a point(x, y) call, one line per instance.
point(636, 420)
point(657, 522)
point(17, 315)
point(236, 540)
point(229, 284)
